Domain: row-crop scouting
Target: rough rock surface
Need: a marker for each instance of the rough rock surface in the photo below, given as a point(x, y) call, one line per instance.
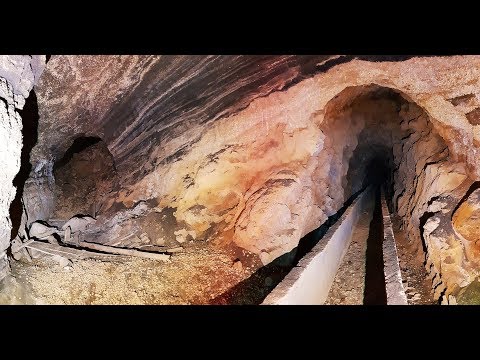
point(466, 219)
point(259, 151)
point(18, 74)
point(135, 102)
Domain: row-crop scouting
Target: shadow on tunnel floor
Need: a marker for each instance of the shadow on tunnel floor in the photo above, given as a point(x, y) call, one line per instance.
point(30, 118)
point(375, 292)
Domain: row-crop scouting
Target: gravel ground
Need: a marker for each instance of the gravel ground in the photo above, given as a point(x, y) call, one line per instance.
point(196, 276)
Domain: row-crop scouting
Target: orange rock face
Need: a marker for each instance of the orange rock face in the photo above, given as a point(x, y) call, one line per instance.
point(466, 219)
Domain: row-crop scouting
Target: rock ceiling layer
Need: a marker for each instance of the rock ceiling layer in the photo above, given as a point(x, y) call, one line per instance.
point(135, 103)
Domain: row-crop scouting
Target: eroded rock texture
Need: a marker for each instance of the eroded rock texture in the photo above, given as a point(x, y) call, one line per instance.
point(256, 151)
point(17, 77)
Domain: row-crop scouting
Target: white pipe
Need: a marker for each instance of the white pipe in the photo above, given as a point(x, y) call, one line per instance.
point(310, 281)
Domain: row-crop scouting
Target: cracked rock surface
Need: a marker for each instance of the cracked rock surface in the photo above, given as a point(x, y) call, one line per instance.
point(18, 74)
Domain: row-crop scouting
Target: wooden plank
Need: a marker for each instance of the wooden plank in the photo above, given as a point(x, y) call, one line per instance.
point(113, 250)
point(122, 251)
point(69, 252)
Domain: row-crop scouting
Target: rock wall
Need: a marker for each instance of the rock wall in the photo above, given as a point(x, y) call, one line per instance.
point(18, 74)
point(277, 170)
point(267, 158)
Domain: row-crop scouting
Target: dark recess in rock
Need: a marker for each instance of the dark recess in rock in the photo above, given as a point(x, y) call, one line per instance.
point(474, 117)
point(78, 145)
point(30, 118)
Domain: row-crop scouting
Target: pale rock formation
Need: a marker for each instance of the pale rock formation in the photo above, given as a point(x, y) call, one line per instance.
point(78, 223)
point(18, 74)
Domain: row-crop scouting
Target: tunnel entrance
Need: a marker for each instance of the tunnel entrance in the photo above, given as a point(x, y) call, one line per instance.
point(375, 136)
point(83, 177)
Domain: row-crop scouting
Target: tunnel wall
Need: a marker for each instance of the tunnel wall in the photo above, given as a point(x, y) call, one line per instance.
point(266, 175)
point(270, 174)
point(18, 74)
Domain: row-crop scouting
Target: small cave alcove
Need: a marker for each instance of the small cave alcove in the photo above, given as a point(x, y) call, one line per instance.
point(83, 177)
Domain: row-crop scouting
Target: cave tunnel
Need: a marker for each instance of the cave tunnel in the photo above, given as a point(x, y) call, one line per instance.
point(140, 192)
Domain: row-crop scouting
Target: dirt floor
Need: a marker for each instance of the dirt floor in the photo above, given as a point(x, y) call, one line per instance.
point(417, 286)
point(349, 284)
point(196, 276)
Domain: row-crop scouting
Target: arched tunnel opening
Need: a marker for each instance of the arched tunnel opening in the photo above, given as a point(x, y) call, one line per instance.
point(154, 198)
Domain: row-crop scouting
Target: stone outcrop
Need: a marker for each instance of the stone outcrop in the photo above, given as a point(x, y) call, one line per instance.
point(18, 74)
point(466, 219)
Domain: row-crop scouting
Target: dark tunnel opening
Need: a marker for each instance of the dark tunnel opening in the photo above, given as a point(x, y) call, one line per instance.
point(83, 177)
point(78, 145)
point(377, 172)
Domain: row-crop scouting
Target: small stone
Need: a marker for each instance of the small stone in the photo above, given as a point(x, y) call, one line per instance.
point(452, 300)
point(79, 223)
point(63, 261)
point(264, 257)
point(41, 231)
point(237, 266)
point(416, 297)
point(160, 241)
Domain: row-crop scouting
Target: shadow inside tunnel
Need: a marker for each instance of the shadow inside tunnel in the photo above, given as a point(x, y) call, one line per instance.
point(374, 291)
point(254, 290)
